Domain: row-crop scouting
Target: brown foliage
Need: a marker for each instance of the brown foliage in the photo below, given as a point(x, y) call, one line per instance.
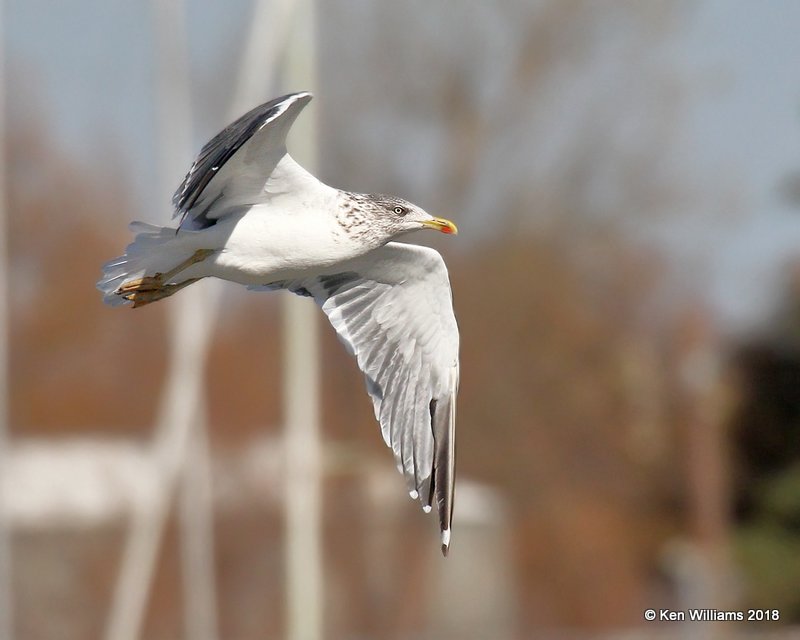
point(556, 363)
point(75, 365)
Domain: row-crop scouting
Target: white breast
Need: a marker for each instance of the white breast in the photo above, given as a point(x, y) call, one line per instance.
point(281, 239)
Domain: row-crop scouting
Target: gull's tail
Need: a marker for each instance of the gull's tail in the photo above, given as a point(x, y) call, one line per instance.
point(154, 251)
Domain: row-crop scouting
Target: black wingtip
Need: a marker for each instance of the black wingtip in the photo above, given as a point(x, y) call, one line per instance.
point(443, 477)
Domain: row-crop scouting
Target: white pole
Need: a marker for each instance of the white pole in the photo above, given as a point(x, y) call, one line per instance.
point(190, 326)
point(190, 329)
point(177, 416)
point(6, 595)
point(304, 571)
point(189, 432)
point(274, 24)
point(270, 28)
point(197, 535)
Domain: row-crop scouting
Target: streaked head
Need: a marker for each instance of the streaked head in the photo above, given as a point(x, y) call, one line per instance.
point(389, 215)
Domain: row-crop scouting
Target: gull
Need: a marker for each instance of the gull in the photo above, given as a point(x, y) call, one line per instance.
point(252, 215)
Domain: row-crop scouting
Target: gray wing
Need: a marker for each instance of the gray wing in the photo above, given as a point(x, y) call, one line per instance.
point(393, 310)
point(233, 167)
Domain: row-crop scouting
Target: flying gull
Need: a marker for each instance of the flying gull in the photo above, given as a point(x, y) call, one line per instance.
point(250, 214)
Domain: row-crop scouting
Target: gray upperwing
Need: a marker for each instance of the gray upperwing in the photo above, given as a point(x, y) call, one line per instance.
point(233, 166)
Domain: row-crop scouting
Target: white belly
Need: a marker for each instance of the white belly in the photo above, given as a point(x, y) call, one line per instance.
point(268, 243)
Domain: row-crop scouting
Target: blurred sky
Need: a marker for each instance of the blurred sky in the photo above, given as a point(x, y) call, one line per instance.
point(89, 62)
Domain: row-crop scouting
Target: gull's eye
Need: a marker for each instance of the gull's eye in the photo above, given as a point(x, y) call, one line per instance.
point(400, 211)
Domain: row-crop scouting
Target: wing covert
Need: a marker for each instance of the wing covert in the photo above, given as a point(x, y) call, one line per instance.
point(232, 168)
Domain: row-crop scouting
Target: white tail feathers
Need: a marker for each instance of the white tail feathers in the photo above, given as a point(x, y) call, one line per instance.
point(146, 255)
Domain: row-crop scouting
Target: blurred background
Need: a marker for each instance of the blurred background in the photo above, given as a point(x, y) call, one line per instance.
point(626, 180)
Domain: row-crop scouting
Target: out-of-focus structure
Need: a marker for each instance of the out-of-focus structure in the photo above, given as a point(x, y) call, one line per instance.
point(6, 600)
point(622, 443)
point(181, 440)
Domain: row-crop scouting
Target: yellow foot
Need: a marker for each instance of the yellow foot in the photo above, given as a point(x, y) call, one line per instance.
point(146, 290)
point(151, 288)
point(148, 283)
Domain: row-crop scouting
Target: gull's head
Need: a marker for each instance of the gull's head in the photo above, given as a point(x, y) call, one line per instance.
point(391, 216)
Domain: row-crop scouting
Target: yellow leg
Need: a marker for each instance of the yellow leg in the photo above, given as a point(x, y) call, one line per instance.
point(141, 297)
point(151, 288)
